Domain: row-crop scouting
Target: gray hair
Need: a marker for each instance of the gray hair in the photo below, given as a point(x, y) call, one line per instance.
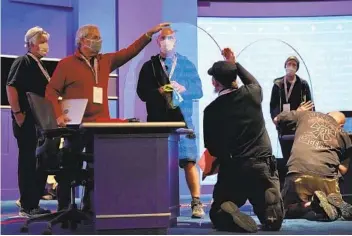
point(83, 31)
point(33, 34)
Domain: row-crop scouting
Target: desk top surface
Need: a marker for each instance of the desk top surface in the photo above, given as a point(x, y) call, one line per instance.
point(133, 125)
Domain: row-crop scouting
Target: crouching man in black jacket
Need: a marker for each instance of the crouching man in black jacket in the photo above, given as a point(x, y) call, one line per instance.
point(235, 133)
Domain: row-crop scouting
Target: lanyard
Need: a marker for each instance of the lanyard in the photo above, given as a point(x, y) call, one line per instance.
point(174, 62)
point(288, 93)
point(226, 91)
point(95, 69)
point(44, 71)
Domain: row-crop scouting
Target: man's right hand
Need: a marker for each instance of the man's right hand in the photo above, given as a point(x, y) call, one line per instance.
point(306, 106)
point(62, 120)
point(20, 117)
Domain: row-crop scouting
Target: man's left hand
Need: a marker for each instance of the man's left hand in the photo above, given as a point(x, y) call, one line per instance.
point(229, 55)
point(178, 87)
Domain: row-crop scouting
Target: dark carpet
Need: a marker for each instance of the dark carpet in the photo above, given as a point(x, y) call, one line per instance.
point(11, 223)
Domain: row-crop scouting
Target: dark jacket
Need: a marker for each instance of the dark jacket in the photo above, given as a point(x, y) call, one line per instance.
point(152, 77)
point(301, 93)
point(234, 125)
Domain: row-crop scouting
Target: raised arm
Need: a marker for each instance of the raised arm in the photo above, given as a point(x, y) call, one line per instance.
point(246, 77)
point(122, 56)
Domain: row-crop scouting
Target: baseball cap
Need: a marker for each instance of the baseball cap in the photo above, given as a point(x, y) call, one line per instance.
point(223, 71)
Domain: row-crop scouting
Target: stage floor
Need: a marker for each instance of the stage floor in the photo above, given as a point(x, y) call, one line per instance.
point(11, 223)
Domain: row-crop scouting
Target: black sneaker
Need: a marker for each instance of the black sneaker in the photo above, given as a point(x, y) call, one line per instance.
point(241, 220)
point(343, 207)
point(34, 212)
point(320, 205)
point(197, 209)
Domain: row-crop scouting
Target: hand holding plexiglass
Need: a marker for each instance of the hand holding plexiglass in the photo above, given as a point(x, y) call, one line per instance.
point(157, 28)
point(229, 55)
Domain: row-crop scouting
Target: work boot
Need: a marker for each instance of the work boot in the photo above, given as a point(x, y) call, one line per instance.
point(240, 219)
point(344, 208)
point(320, 205)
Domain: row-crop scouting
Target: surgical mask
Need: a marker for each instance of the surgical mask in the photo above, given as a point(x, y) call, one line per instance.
point(290, 70)
point(95, 45)
point(167, 45)
point(43, 49)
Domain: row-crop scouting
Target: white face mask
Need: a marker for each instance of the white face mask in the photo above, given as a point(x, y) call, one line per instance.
point(290, 71)
point(167, 45)
point(94, 45)
point(43, 49)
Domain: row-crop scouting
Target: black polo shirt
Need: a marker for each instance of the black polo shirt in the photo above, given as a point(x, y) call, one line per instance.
point(26, 76)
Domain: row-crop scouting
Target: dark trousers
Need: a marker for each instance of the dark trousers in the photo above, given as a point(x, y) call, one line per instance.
point(31, 176)
point(239, 180)
point(286, 147)
point(75, 144)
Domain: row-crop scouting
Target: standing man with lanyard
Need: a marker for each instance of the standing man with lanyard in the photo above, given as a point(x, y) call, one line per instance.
point(28, 74)
point(86, 75)
point(288, 94)
point(168, 84)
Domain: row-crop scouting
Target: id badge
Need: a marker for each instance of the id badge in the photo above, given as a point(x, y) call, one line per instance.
point(97, 95)
point(287, 107)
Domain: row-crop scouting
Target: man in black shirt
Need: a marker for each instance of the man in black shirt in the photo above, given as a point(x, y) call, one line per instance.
point(288, 93)
point(28, 74)
point(319, 147)
point(235, 133)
